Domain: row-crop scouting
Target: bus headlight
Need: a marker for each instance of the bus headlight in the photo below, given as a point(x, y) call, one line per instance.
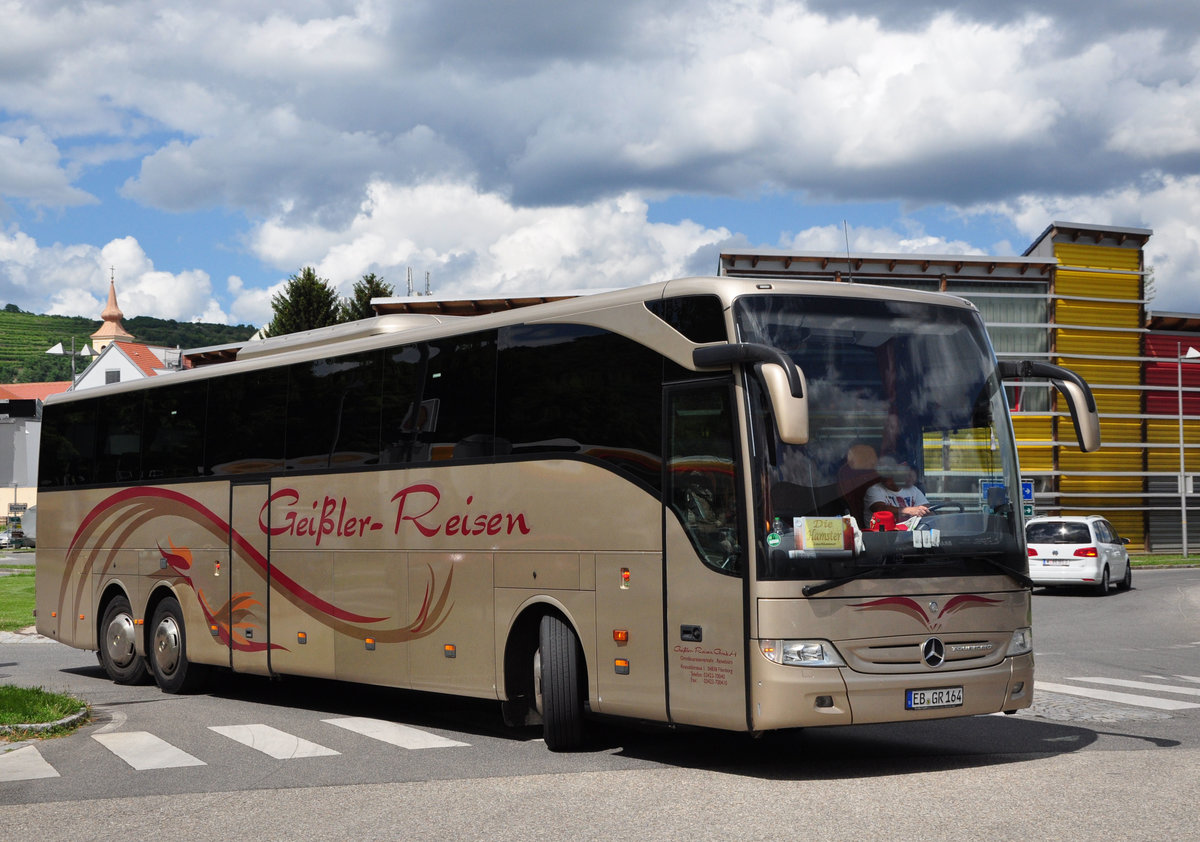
point(802, 653)
point(1022, 642)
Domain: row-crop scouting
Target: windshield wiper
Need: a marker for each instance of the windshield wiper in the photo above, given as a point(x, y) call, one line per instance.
point(812, 590)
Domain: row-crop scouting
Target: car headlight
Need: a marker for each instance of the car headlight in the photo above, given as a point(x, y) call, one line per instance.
point(802, 653)
point(1022, 642)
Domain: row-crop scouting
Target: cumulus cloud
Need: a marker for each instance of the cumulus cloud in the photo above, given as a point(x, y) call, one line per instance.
point(73, 281)
point(358, 135)
point(31, 170)
point(477, 243)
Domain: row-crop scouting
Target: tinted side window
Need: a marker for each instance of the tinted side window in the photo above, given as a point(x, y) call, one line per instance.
point(119, 438)
point(701, 472)
point(452, 410)
point(68, 444)
point(246, 423)
point(173, 431)
point(583, 390)
point(698, 317)
point(333, 413)
point(405, 420)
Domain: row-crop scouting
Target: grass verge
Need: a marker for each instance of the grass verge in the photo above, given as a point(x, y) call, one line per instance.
point(25, 711)
point(1168, 560)
point(16, 601)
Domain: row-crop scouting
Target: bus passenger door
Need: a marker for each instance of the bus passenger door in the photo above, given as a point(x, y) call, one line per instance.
point(245, 615)
point(705, 631)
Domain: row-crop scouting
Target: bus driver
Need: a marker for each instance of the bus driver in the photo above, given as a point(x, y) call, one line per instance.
point(896, 492)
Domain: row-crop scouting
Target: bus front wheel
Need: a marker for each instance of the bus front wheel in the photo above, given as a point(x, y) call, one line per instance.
point(118, 635)
point(559, 683)
point(168, 651)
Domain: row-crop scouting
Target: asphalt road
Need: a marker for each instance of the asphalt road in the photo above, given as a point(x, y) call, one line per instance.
point(1112, 751)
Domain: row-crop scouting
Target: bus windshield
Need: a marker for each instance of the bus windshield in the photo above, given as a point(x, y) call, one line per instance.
point(909, 470)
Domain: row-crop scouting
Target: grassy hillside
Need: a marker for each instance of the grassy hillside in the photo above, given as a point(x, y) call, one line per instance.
point(25, 338)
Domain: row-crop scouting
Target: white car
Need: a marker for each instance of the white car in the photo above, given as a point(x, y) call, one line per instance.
point(1077, 550)
point(10, 540)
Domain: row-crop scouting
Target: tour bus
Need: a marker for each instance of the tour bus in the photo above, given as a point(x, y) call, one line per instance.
point(650, 504)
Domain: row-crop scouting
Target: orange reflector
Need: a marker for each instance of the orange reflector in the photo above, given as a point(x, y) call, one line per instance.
point(215, 631)
point(53, 613)
point(81, 616)
point(451, 650)
point(301, 637)
point(139, 622)
point(621, 666)
point(370, 644)
point(621, 635)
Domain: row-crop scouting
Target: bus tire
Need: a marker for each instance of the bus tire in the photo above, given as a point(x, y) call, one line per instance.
point(118, 637)
point(168, 651)
point(561, 682)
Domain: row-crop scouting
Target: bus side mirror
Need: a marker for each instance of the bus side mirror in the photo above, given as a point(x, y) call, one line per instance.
point(1074, 388)
point(783, 378)
point(791, 413)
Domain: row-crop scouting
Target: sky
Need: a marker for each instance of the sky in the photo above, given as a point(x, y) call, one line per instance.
point(201, 153)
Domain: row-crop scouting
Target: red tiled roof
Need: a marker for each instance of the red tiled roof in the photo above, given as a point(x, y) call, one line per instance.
point(142, 357)
point(25, 391)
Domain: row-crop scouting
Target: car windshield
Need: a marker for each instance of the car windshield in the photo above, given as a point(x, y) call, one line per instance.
point(1058, 532)
point(906, 416)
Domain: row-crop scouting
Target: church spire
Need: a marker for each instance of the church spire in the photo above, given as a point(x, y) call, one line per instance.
point(111, 329)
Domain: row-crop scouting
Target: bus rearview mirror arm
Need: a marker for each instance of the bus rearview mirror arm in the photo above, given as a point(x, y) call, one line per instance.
point(1080, 400)
point(783, 379)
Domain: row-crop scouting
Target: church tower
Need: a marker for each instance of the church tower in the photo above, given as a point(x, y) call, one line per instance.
point(111, 330)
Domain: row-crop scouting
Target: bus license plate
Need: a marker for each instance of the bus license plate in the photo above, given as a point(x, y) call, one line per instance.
point(941, 697)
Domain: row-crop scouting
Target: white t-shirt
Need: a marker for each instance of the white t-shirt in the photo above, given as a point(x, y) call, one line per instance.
point(908, 495)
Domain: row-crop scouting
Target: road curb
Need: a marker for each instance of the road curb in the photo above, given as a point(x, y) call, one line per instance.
point(38, 727)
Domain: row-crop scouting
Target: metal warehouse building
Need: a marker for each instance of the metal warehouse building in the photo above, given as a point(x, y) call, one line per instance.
point(1076, 297)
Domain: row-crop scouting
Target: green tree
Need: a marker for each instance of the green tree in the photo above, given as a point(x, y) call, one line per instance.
point(307, 302)
point(358, 305)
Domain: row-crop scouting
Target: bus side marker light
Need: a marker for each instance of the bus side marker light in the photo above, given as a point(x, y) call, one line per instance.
point(621, 666)
point(450, 650)
point(621, 635)
point(302, 638)
point(214, 629)
point(53, 613)
point(370, 644)
point(624, 578)
point(81, 616)
point(139, 622)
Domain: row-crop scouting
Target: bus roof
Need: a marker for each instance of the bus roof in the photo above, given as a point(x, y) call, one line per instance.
point(615, 310)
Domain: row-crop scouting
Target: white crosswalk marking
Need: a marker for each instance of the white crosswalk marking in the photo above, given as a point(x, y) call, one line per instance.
point(25, 764)
point(142, 750)
point(393, 733)
point(1142, 685)
point(273, 742)
point(1110, 696)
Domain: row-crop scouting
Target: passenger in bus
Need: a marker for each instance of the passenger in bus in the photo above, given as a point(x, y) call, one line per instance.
point(855, 477)
point(896, 492)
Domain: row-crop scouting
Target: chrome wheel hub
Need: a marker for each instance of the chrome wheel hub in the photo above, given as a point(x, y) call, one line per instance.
point(167, 645)
point(119, 640)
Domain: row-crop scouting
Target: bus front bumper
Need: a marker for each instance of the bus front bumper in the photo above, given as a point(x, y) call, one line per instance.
point(799, 697)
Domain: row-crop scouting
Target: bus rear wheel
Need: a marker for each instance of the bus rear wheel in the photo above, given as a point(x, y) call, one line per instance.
point(559, 683)
point(118, 636)
point(168, 651)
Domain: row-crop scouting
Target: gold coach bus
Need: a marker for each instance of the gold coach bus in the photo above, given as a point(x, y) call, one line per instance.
point(646, 503)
